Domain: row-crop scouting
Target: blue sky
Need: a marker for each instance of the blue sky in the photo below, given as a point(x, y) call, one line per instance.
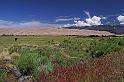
point(47, 11)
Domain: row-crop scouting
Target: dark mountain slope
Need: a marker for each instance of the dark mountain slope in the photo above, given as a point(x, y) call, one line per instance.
point(117, 29)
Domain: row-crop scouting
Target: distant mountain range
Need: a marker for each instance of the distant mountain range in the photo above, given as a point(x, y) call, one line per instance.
point(116, 29)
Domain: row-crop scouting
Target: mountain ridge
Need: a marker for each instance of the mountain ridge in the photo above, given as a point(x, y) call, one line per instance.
point(116, 29)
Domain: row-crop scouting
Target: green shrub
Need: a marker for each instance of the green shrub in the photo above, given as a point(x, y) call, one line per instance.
point(100, 48)
point(121, 42)
point(31, 63)
point(2, 75)
point(14, 48)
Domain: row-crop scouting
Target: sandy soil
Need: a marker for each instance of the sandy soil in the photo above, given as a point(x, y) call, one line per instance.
point(50, 31)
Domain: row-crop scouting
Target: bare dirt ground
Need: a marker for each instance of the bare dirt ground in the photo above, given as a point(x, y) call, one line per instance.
point(51, 31)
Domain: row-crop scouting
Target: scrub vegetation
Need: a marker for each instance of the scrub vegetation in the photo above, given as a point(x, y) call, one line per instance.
point(62, 58)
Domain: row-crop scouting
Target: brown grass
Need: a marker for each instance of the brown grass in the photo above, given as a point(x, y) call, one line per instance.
point(105, 69)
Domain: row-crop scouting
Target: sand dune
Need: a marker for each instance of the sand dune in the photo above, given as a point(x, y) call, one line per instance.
point(50, 31)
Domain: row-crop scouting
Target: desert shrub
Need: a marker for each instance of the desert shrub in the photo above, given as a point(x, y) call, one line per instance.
point(103, 47)
point(121, 42)
point(71, 51)
point(51, 42)
point(58, 56)
point(14, 48)
point(26, 63)
point(52, 54)
point(32, 62)
point(2, 75)
point(14, 56)
point(20, 49)
point(73, 46)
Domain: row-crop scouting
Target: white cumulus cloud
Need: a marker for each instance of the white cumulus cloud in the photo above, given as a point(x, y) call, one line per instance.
point(95, 20)
point(121, 19)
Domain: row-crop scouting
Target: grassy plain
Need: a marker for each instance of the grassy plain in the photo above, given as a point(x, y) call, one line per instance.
point(78, 58)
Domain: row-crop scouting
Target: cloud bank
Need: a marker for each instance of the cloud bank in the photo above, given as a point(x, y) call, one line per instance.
point(121, 19)
point(12, 24)
point(67, 19)
point(64, 19)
